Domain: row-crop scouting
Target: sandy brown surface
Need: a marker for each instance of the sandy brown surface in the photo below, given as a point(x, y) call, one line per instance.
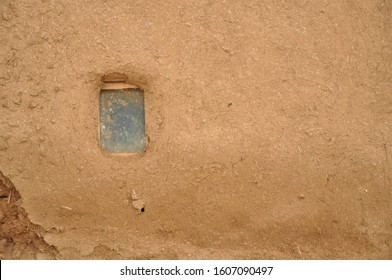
point(19, 238)
point(269, 126)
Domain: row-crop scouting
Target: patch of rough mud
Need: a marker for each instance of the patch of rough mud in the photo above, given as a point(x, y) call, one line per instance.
point(19, 238)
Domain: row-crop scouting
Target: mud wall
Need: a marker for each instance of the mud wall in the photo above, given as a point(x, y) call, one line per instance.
point(269, 126)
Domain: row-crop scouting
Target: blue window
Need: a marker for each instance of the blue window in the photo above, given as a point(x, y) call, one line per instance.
point(122, 121)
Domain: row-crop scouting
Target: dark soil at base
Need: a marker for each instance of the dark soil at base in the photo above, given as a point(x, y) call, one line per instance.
point(19, 238)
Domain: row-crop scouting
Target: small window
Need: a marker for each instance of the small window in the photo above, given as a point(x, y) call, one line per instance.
point(122, 121)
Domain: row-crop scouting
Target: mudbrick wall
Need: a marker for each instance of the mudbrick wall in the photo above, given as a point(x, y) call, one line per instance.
point(269, 129)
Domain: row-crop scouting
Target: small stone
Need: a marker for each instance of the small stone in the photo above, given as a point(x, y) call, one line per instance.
point(136, 202)
point(32, 105)
point(301, 197)
point(138, 205)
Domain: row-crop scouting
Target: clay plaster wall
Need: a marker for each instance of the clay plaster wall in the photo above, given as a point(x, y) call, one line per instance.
point(269, 126)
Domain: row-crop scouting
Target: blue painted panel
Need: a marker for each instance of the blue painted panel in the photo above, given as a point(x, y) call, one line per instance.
point(122, 121)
